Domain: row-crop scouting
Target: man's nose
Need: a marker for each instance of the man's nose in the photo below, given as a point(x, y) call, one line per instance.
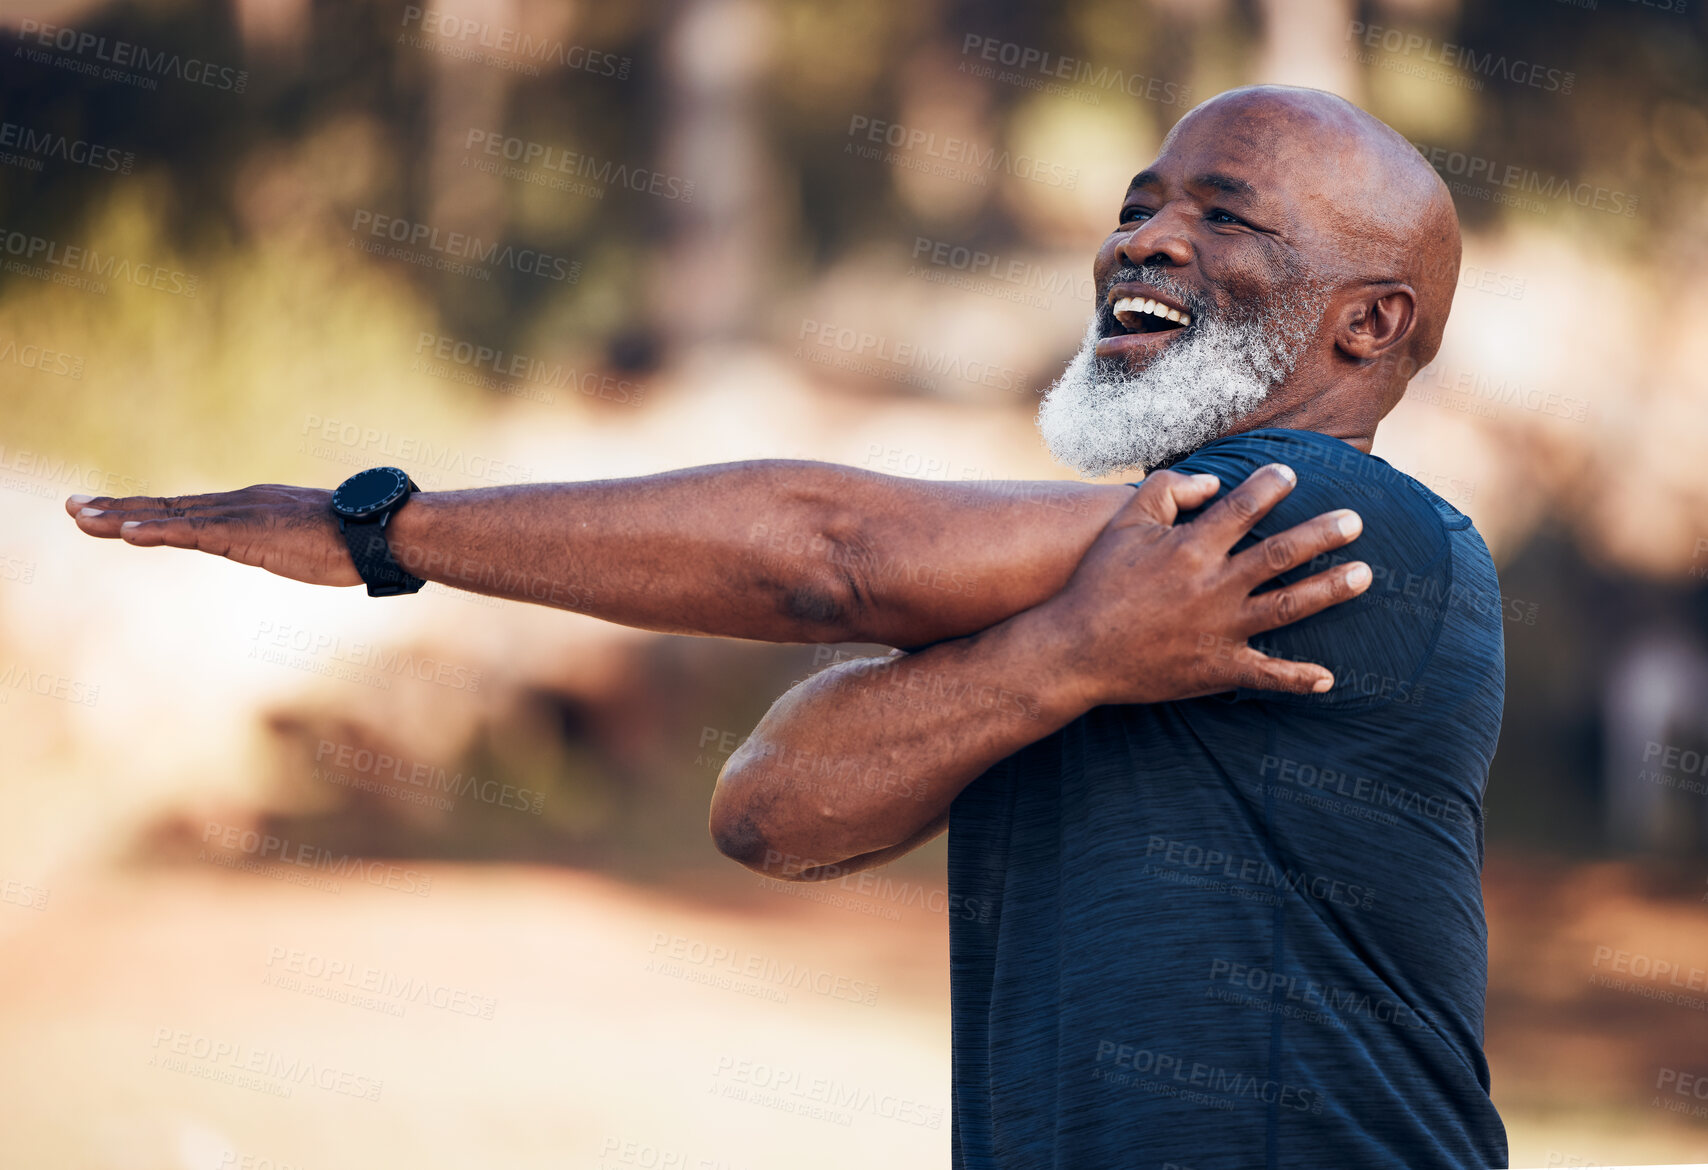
point(1159, 240)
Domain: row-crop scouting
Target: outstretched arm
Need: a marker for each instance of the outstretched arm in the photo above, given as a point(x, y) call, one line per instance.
point(860, 763)
point(774, 550)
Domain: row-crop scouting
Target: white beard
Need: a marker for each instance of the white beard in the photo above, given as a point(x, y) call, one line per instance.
point(1099, 417)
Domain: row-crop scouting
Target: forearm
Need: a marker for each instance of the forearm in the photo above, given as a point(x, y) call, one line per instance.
point(862, 761)
point(776, 550)
point(865, 757)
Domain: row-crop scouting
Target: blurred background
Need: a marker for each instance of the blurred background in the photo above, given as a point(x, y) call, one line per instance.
point(293, 879)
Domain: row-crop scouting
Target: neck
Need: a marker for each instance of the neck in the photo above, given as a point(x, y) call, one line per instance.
point(1347, 413)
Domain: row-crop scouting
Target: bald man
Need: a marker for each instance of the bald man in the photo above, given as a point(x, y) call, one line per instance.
point(1213, 787)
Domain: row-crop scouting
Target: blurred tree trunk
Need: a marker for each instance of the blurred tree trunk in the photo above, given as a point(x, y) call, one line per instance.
point(721, 246)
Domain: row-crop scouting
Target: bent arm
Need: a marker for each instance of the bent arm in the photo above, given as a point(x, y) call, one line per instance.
point(860, 763)
point(774, 550)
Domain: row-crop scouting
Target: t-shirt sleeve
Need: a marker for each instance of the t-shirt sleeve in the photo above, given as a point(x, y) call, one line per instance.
point(1378, 643)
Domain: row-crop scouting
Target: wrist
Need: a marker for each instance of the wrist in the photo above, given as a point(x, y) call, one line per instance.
point(409, 533)
point(1064, 689)
point(363, 508)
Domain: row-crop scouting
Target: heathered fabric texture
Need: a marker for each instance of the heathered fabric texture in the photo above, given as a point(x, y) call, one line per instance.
point(1247, 930)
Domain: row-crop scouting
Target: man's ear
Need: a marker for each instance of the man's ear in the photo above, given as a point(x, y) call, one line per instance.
point(1373, 323)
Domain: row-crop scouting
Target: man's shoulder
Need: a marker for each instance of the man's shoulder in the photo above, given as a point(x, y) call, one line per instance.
point(1326, 466)
point(1405, 524)
point(1377, 644)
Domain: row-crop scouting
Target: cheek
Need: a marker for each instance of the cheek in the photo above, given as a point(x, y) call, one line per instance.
point(1239, 276)
point(1105, 261)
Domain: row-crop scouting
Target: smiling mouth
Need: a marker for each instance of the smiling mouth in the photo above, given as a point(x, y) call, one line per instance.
point(1136, 323)
point(1143, 315)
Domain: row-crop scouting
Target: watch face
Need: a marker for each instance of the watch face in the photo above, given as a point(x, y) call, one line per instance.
point(369, 492)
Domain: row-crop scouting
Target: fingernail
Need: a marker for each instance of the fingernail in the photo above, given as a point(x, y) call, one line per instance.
point(1323, 684)
point(1358, 576)
point(1287, 473)
point(88, 511)
point(129, 524)
point(1349, 524)
point(1207, 480)
point(80, 498)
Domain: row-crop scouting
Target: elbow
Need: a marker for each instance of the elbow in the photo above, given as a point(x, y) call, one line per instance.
point(739, 837)
point(738, 825)
point(748, 844)
point(746, 831)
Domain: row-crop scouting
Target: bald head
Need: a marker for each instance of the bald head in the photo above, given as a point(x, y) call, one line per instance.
point(1378, 210)
point(1286, 261)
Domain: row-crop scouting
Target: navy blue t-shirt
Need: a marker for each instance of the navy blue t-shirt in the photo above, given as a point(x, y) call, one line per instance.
point(1247, 930)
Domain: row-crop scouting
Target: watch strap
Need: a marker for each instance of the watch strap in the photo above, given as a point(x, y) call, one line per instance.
point(373, 559)
point(371, 554)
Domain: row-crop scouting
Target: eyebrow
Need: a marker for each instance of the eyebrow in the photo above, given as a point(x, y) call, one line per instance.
point(1215, 180)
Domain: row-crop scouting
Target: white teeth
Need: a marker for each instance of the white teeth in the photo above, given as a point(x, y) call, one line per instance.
point(1146, 305)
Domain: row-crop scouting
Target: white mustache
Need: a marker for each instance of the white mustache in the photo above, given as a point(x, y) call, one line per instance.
point(1163, 283)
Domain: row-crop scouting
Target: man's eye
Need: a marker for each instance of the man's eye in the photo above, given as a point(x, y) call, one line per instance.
point(1134, 214)
point(1220, 216)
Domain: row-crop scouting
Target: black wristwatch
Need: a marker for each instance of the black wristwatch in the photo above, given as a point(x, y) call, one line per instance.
point(364, 505)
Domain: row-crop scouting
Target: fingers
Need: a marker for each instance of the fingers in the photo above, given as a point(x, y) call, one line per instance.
point(1259, 672)
point(1232, 516)
point(173, 505)
point(77, 504)
point(1294, 547)
point(210, 534)
point(1163, 495)
point(102, 515)
point(1280, 607)
point(97, 520)
point(147, 521)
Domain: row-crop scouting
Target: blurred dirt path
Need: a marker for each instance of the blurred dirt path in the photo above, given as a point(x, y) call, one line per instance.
point(196, 1018)
point(514, 1018)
